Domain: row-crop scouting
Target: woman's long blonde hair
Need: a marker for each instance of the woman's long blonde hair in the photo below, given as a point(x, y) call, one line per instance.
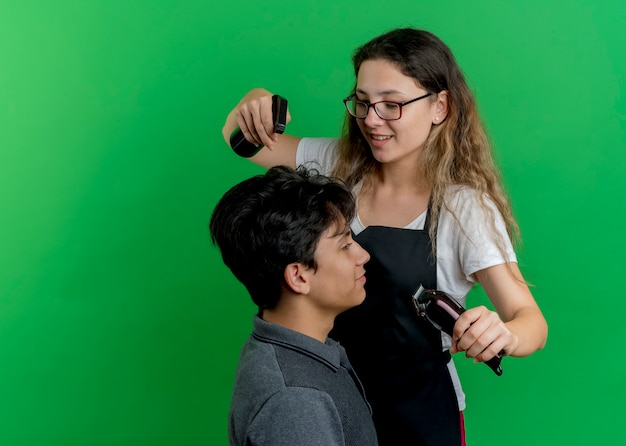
point(456, 152)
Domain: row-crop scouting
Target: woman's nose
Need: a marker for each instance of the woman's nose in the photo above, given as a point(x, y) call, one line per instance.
point(372, 119)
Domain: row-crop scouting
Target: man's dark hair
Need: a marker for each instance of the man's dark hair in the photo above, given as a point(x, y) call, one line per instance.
point(269, 221)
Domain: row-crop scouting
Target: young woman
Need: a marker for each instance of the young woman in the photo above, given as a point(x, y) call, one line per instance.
point(431, 210)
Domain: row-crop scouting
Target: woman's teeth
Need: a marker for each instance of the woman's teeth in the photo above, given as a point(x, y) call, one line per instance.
point(380, 138)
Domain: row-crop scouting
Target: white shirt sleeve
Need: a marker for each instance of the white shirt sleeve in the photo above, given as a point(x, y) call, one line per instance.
point(466, 242)
point(317, 153)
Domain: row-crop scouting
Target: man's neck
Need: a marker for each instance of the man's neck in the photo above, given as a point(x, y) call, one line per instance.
point(305, 322)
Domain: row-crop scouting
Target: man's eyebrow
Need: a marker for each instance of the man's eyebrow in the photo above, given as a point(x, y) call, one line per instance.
point(342, 233)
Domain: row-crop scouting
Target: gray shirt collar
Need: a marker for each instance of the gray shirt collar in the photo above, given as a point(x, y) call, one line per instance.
point(330, 353)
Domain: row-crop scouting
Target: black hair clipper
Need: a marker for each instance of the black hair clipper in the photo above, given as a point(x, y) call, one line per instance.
point(442, 311)
point(245, 148)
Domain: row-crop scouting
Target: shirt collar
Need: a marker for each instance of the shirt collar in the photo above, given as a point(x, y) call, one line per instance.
point(330, 353)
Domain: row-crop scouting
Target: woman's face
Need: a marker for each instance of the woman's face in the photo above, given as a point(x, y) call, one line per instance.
point(402, 139)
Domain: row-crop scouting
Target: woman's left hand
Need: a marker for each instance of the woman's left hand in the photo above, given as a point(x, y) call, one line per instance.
point(481, 334)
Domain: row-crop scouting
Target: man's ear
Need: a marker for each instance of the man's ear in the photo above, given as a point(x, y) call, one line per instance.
point(440, 107)
point(297, 278)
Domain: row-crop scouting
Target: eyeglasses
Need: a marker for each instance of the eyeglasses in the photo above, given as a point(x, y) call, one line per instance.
point(387, 110)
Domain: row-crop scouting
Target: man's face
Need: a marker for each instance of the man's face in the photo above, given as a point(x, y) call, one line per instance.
point(338, 284)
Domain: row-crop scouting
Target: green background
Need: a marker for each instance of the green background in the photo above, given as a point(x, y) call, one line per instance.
point(118, 323)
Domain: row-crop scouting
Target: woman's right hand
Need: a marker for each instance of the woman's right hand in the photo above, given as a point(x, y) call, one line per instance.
point(254, 116)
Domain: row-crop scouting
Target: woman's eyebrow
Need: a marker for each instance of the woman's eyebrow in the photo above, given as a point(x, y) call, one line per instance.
point(358, 90)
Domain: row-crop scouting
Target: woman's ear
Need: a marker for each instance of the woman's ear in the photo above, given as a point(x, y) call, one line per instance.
point(297, 278)
point(440, 108)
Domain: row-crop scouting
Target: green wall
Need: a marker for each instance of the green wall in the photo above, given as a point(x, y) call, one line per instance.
point(118, 323)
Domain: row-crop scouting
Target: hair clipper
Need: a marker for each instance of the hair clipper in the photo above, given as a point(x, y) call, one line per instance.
point(442, 311)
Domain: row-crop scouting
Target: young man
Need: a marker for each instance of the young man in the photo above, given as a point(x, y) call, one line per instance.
point(286, 236)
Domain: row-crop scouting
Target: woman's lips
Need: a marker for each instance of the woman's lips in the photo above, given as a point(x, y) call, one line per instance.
point(379, 141)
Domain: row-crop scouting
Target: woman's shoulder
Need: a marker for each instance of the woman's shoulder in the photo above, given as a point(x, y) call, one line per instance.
point(460, 196)
point(468, 207)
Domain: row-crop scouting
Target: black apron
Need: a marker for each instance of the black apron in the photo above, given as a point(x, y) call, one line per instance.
point(397, 355)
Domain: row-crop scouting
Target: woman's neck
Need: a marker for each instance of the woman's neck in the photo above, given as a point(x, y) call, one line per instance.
point(401, 178)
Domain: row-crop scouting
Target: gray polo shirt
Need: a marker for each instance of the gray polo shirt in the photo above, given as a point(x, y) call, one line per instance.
point(291, 389)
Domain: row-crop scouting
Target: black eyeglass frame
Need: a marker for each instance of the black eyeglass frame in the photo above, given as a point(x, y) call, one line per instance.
point(373, 104)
